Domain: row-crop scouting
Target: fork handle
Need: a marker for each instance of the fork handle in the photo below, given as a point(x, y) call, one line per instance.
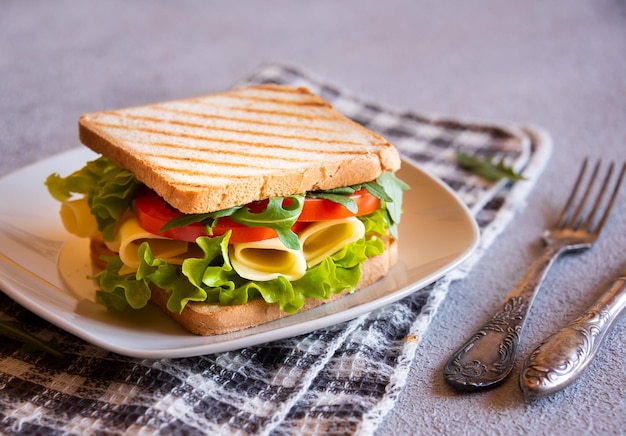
point(563, 357)
point(488, 356)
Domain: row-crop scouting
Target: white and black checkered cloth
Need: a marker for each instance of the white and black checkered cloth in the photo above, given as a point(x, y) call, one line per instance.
point(338, 380)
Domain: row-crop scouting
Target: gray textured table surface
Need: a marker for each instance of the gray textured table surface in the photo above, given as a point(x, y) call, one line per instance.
point(559, 64)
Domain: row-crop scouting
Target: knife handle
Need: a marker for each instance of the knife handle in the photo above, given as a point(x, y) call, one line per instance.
point(563, 357)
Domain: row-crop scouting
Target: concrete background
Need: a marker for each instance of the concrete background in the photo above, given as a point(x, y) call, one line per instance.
point(558, 64)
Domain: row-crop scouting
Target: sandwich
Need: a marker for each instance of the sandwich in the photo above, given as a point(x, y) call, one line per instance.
point(233, 209)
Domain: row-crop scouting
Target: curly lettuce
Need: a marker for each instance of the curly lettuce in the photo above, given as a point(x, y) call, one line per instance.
point(108, 188)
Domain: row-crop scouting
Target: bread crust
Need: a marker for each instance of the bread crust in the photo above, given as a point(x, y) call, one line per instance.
point(270, 140)
point(213, 319)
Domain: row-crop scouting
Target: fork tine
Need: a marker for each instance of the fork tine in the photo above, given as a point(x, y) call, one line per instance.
point(563, 216)
point(609, 206)
point(599, 197)
point(573, 220)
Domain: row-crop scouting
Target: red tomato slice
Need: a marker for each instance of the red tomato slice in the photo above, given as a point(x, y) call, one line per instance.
point(320, 209)
point(153, 213)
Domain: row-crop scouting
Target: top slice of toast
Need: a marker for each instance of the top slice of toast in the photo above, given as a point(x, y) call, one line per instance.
point(218, 151)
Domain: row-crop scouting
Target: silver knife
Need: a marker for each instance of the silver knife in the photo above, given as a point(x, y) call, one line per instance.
point(563, 357)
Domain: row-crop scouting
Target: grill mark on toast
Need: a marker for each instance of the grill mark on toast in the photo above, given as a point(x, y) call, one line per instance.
point(221, 152)
point(204, 174)
point(221, 140)
point(191, 159)
point(243, 120)
point(232, 130)
point(171, 169)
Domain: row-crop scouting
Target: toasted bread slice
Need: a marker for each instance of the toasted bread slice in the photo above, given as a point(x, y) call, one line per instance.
point(223, 150)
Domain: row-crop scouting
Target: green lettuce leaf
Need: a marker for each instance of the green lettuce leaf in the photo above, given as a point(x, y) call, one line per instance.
point(109, 190)
point(376, 222)
point(167, 277)
point(215, 275)
point(118, 291)
point(83, 181)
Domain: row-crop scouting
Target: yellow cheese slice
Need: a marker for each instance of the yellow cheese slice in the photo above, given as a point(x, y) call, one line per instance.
point(323, 238)
point(77, 218)
point(131, 235)
point(266, 260)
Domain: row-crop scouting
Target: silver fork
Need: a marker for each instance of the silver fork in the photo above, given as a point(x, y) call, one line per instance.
point(487, 358)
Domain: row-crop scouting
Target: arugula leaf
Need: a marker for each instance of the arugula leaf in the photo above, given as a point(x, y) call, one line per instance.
point(487, 169)
point(185, 219)
point(342, 195)
point(394, 187)
point(276, 216)
point(340, 198)
point(378, 190)
point(342, 190)
point(208, 219)
point(31, 343)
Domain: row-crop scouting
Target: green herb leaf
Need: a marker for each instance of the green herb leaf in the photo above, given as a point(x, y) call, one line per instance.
point(378, 190)
point(342, 199)
point(208, 219)
point(342, 195)
point(393, 187)
point(31, 343)
point(487, 169)
point(276, 216)
point(343, 190)
point(184, 220)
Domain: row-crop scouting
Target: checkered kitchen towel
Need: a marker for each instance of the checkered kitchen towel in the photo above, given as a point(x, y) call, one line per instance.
point(338, 380)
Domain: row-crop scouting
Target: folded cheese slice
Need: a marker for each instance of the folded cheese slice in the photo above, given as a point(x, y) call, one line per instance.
point(131, 235)
point(77, 218)
point(266, 260)
point(323, 238)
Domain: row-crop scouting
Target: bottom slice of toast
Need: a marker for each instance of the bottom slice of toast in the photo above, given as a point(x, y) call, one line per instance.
point(213, 319)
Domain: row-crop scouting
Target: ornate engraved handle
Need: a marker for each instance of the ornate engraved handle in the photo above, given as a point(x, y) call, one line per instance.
point(488, 357)
point(563, 357)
